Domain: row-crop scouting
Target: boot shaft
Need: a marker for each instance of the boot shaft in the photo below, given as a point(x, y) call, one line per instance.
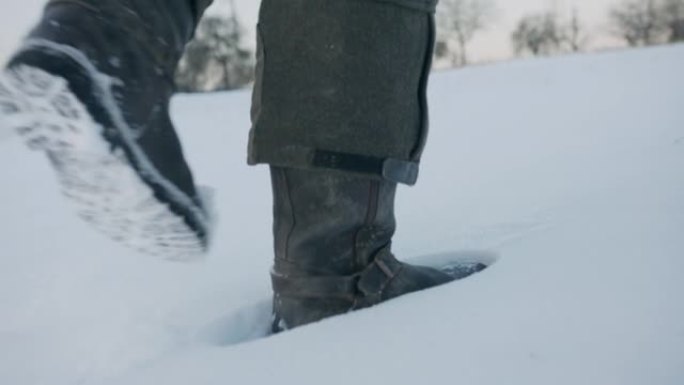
point(328, 227)
point(328, 223)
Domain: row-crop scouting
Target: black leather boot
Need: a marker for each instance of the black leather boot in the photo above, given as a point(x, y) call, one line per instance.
point(90, 86)
point(333, 235)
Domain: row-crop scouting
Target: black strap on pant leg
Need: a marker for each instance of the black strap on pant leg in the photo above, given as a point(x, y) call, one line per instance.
point(418, 5)
point(389, 169)
point(393, 170)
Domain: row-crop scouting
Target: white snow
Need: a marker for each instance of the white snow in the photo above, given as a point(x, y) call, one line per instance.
point(571, 170)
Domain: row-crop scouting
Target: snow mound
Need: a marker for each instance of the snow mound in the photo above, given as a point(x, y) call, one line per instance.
point(567, 170)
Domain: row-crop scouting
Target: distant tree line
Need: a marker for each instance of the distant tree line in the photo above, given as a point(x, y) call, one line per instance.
point(636, 22)
point(647, 22)
point(547, 33)
point(217, 58)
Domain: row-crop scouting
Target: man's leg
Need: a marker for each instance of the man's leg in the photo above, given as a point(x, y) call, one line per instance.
point(340, 114)
point(91, 86)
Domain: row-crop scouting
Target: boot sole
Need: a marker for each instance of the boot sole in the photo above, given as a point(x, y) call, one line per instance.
point(105, 188)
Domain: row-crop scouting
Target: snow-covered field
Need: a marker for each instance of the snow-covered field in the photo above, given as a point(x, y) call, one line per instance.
point(571, 170)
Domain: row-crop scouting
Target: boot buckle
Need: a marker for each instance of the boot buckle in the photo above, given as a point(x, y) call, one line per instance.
point(374, 279)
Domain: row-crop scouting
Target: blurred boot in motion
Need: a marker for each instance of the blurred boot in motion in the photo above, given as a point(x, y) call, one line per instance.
point(90, 86)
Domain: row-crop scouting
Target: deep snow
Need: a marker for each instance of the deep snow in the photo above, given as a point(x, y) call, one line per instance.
point(571, 170)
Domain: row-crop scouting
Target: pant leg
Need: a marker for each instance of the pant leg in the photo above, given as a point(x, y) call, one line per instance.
point(341, 86)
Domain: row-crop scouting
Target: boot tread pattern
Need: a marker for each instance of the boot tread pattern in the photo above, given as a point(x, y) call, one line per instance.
point(104, 187)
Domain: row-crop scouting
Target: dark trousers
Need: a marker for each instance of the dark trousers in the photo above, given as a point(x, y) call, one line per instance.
point(341, 86)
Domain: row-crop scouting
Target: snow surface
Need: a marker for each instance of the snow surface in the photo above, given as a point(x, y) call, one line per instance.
point(569, 169)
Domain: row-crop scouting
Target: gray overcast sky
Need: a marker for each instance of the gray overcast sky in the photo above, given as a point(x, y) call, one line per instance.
point(17, 16)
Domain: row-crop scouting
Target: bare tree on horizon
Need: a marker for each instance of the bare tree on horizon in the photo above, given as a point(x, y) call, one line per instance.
point(458, 21)
point(575, 33)
point(638, 22)
point(538, 34)
point(673, 19)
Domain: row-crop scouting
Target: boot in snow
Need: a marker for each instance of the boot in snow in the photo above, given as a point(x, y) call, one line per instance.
point(340, 114)
point(333, 236)
point(90, 86)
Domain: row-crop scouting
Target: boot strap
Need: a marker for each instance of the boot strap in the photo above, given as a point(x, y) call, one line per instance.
point(332, 287)
point(362, 290)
